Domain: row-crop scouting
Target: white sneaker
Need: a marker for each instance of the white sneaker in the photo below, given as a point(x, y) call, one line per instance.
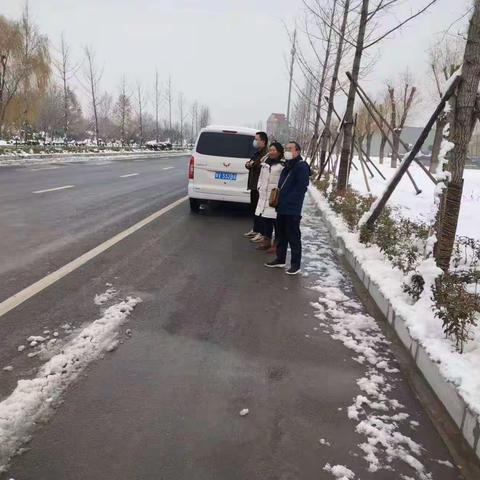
point(293, 271)
point(257, 238)
point(250, 234)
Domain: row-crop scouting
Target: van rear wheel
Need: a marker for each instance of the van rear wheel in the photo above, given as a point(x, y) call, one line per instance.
point(194, 205)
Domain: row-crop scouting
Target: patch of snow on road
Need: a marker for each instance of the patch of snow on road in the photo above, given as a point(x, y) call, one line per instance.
point(33, 400)
point(445, 462)
point(378, 415)
point(104, 297)
point(340, 472)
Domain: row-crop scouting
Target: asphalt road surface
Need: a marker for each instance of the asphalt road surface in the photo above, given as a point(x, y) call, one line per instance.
point(216, 332)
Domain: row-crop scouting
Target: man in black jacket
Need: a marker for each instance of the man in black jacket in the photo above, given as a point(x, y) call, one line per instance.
point(253, 166)
point(293, 185)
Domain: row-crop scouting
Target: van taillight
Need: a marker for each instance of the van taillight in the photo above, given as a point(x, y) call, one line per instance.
point(191, 167)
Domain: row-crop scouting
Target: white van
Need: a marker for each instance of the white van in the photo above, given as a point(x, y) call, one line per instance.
point(217, 167)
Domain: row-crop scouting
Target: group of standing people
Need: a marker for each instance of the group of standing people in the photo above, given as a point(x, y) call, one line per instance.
point(278, 180)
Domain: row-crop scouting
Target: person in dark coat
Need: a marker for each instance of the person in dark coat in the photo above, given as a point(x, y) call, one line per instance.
point(254, 166)
point(293, 185)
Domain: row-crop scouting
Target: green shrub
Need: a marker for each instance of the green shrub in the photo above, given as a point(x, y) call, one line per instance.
point(456, 307)
point(350, 205)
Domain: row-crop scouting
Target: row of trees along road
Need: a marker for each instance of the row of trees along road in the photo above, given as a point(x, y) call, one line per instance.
point(39, 79)
point(335, 36)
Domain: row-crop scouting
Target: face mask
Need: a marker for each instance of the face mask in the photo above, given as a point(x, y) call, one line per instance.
point(255, 144)
point(288, 156)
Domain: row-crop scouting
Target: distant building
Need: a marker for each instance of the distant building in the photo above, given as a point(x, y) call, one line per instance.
point(277, 127)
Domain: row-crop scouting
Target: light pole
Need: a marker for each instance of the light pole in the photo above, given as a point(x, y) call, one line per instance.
point(292, 63)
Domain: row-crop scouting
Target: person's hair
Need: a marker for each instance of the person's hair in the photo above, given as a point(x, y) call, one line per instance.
point(297, 145)
point(263, 136)
point(278, 147)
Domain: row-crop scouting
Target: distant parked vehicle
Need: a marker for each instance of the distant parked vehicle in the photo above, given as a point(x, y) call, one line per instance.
point(217, 167)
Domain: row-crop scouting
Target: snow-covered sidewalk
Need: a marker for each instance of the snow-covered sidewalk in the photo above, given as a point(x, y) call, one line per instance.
point(390, 433)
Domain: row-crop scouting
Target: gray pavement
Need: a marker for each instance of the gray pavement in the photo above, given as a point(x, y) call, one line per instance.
point(216, 333)
point(41, 232)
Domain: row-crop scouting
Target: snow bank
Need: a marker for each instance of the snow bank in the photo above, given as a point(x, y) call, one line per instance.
point(64, 158)
point(422, 207)
point(33, 400)
point(460, 369)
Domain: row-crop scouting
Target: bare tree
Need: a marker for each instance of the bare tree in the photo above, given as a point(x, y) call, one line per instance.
point(204, 119)
point(326, 134)
point(181, 113)
point(140, 107)
point(400, 106)
point(384, 109)
point(169, 95)
point(123, 110)
point(348, 118)
point(465, 111)
point(194, 115)
point(65, 70)
point(362, 43)
point(157, 107)
point(324, 66)
point(93, 75)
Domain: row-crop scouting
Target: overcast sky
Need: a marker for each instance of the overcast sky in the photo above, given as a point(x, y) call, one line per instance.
point(229, 55)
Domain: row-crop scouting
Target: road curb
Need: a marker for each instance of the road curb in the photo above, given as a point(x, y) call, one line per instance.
point(447, 393)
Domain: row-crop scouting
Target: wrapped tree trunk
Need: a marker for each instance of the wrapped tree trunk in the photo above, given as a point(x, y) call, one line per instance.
point(464, 117)
point(437, 142)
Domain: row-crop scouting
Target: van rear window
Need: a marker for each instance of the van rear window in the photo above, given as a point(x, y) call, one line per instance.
point(225, 145)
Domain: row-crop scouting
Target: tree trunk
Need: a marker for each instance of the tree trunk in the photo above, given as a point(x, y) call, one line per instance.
point(395, 148)
point(383, 142)
point(326, 134)
point(461, 128)
point(348, 123)
point(437, 142)
point(369, 145)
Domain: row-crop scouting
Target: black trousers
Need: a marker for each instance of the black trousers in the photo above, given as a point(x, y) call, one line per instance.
point(253, 204)
point(288, 233)
point(268, 224)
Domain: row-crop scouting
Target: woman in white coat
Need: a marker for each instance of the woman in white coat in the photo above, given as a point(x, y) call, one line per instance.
point(268, 180)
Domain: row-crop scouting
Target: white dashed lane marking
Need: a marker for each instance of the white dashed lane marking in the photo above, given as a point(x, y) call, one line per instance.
point(54, 189)
point(129, 175)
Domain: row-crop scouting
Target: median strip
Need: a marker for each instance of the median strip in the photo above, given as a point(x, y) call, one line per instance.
point(54, 189)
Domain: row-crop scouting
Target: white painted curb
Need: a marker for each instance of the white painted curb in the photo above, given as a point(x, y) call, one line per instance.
point(445, 391)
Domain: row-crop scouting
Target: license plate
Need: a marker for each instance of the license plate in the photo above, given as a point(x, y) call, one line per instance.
point(225, 176)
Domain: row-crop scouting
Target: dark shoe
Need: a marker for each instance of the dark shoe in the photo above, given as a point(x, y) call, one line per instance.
point(275, 264)
point(265, 244)
point(293, 271)
point(272, 250)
